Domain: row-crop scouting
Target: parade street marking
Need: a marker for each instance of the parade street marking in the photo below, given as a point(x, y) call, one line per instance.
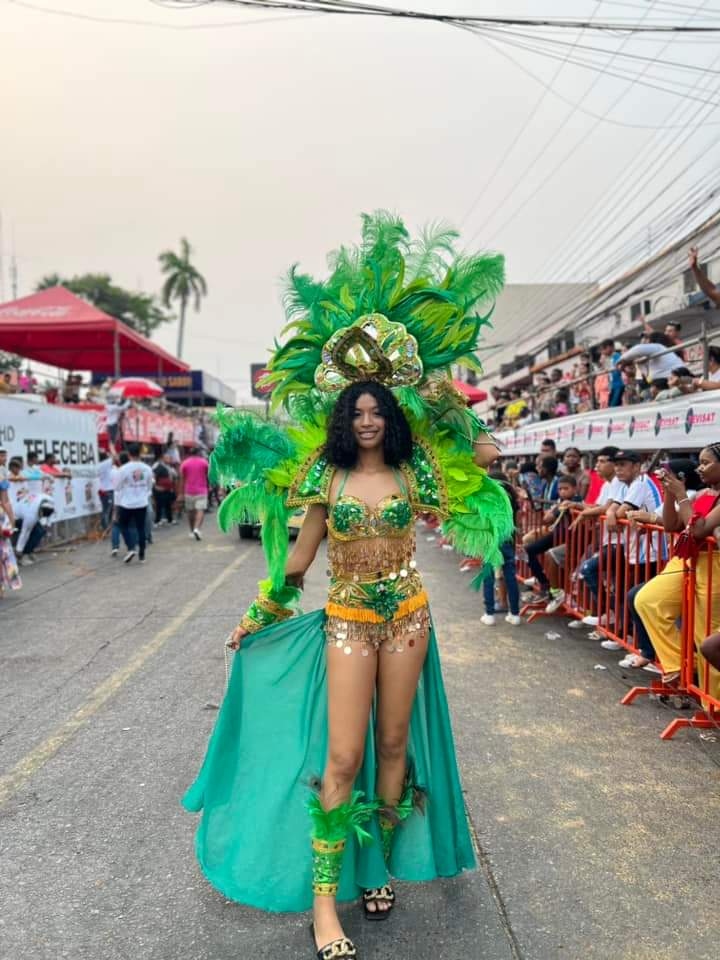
point(11, 782)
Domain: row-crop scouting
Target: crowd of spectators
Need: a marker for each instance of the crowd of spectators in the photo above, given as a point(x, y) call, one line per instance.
point(618, 376)
point(631, 569)
point(613, 374)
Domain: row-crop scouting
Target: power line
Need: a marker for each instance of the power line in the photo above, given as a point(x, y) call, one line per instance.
point(349, 8)
point(658, 159)
point(523, 128)
point(607, 218)
point(548, 143)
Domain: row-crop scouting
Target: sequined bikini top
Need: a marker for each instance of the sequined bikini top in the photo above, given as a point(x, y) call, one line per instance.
point(350, 518)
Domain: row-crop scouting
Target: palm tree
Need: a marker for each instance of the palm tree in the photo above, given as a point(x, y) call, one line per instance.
point(183, 282)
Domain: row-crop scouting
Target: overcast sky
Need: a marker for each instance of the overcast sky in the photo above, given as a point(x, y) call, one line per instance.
point(262, 143)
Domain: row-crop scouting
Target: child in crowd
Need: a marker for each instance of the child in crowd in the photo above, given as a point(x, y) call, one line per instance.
point(557, 522)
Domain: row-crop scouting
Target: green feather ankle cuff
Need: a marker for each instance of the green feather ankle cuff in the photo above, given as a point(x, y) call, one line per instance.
point(330, 828)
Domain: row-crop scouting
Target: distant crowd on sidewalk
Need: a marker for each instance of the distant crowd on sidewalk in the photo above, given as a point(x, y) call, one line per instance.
point(613, 374)
point(137, 495)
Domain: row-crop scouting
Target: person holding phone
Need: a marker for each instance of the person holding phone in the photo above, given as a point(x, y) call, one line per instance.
point(660, 602)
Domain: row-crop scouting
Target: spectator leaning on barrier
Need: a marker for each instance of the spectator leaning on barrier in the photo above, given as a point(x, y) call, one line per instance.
point(641, 494)
point(49, 466)
point(713, 380)
point(660, 362)
point(639, 550)
point(685, 470)
point(660, 602)
point(32, 469)
point(613, 491)
point(557, 522)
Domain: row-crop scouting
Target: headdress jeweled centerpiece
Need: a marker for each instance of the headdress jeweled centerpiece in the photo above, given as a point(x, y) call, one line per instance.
point(373, 348)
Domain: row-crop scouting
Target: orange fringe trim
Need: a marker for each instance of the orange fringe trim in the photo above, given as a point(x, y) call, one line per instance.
point(359, 615)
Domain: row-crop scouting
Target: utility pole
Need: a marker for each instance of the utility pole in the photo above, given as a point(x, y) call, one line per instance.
point(2, 266)
point(13, 265)
point(14, 276)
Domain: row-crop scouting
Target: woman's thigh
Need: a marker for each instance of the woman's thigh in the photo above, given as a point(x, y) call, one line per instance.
point(397, 681)
point(351, 688)
point(663, 595)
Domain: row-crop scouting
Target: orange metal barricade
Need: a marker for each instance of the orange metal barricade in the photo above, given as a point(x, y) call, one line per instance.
point(637, 554)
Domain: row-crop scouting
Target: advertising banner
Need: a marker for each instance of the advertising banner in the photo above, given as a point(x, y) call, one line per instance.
point(146, 426)
point(69, 434)
point(686, 423)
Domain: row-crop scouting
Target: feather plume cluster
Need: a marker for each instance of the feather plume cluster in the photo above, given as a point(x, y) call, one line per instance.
point(443, 298)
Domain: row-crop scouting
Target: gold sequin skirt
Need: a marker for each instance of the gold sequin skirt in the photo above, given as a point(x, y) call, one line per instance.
point(367, 612)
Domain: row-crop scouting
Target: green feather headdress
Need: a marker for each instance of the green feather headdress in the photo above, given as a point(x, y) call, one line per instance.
point(443, 299)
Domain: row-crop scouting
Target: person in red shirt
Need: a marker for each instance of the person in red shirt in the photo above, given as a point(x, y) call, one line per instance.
point(49, 466)
point(194, 489)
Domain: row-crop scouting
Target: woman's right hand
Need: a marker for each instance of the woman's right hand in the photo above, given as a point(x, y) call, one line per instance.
point(236, 637)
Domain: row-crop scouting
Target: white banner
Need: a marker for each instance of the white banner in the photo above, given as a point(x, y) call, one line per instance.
point(688, 423)
point(71, 435)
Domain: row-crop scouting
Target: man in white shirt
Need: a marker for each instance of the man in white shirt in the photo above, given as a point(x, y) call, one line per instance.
point(114, 410)
point(641, 494)
point(660, 363)
point(132, 494)
point(612, 490)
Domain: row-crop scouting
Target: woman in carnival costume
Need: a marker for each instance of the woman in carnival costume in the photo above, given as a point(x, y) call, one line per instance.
point(352, 692)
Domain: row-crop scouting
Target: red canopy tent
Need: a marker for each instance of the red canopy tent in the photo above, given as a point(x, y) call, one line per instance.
point(58, 328)
point(473, 394)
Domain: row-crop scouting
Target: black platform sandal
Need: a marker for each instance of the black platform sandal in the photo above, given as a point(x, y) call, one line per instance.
point(341, 949)
point(384, 894)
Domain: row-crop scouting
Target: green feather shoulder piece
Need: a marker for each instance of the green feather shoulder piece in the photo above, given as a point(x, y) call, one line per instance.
point(479, 516)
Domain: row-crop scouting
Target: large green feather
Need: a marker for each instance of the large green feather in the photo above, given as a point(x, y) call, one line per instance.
point(426, 284)
point(246, 446)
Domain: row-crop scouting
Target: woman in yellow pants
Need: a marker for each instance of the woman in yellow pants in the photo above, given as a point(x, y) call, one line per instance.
point(660, 601)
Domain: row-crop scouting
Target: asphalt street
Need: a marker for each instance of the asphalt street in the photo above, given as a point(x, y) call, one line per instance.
point(595, 838)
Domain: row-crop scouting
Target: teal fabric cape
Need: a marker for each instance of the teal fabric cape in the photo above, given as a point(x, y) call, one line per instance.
point(268, 750)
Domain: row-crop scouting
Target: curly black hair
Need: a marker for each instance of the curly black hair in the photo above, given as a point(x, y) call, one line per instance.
point(341, 448)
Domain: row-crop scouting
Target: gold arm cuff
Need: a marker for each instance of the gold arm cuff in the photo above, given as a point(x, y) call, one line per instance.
point(250, 625)
point(278, 611)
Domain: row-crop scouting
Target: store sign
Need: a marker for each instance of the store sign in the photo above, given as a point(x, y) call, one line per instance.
point(687, 423)
point(71, 436)
point(257, 371)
